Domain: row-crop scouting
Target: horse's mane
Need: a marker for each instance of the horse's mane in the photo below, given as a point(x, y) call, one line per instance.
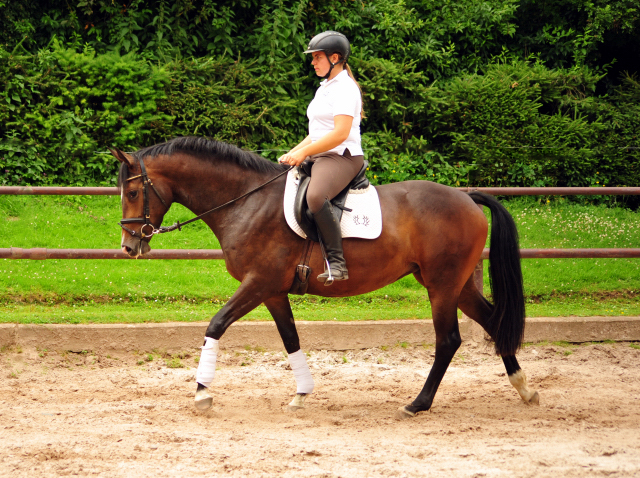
point(206, 149)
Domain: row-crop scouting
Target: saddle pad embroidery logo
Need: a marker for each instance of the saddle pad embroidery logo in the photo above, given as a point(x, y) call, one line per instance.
point(363, 222)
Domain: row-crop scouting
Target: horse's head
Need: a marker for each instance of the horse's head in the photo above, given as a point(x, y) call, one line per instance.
point(144, 204)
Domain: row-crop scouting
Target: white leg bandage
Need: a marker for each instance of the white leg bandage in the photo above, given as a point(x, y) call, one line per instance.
point(207, 364)
point(304, 380)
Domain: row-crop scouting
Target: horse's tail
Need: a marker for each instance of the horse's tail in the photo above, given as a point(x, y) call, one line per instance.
point(506, 322)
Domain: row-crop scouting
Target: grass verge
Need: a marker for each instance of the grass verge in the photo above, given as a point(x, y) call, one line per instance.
point(75, 291)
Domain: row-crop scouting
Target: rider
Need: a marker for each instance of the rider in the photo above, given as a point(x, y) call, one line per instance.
point(333, 143)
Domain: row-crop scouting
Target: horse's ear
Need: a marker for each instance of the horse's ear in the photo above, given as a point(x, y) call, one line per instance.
point(122, 156)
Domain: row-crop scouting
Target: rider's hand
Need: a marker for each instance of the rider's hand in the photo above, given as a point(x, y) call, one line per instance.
point(293, 158)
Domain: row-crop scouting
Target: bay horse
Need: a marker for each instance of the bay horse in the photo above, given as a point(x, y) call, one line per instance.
point(434, 232)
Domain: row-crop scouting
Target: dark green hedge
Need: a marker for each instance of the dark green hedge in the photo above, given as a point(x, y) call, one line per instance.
point(468, 92)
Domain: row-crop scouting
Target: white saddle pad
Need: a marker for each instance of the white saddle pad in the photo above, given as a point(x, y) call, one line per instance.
point(364, 221)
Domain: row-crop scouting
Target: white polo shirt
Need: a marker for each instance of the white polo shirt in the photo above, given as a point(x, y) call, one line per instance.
point(339, 96)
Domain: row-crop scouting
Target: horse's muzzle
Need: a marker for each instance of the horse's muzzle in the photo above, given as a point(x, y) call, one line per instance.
point(136, 248)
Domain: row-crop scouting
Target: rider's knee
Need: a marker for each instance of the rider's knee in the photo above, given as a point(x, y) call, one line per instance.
point(315, 200)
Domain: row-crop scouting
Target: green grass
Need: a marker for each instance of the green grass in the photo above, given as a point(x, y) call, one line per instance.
point(84, 291)
point(566, 226)
point(182, 311)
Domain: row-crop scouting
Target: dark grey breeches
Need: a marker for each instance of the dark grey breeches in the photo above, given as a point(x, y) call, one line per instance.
point(331, 173)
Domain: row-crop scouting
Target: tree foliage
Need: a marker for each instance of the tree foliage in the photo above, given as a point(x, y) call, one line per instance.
point(472, 92)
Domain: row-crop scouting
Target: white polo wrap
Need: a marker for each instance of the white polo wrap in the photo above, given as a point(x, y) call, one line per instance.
point(207, 364)
point(304, 380)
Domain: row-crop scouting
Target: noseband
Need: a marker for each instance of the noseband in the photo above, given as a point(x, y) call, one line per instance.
point(178, 225)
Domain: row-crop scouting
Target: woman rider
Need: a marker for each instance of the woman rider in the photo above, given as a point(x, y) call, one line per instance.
point(333, 143)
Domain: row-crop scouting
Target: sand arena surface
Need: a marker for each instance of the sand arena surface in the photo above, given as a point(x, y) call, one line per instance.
point(94, 415)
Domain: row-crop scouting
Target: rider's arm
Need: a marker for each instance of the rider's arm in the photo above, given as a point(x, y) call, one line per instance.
point(302, 144)
point(340, 132)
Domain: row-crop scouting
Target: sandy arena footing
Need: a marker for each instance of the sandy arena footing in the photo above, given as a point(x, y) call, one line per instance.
point(107, 414)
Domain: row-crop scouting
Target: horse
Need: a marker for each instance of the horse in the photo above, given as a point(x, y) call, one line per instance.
point(435, 232)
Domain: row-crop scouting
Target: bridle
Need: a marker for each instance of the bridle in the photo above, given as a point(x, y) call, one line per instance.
point(146, 219)
point(145, 206)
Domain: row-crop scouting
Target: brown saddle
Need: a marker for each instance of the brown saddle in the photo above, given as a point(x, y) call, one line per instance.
point(301, 208)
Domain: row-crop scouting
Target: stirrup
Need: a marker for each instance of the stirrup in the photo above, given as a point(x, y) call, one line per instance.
point(329, 276)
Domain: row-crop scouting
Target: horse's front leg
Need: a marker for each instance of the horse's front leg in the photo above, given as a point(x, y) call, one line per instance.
point(280, 309)
point(248, 296)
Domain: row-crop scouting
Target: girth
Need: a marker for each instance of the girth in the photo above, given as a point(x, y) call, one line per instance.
point(303, 216)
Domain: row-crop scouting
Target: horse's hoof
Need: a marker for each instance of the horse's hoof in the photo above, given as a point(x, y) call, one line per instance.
point(297, 403)
point(403, 413)
point(203, 400)
point(534, 400)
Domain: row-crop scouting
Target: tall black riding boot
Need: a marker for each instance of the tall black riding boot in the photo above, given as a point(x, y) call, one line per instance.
point(331, 237)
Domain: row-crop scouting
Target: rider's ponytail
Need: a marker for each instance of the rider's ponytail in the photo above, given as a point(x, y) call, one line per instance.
point(350, 73)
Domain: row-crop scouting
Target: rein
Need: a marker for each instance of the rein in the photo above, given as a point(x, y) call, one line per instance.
point(178, 225)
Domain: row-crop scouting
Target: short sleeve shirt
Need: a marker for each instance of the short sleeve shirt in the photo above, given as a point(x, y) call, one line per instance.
point(339, 96)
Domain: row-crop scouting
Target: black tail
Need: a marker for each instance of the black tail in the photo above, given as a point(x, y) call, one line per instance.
point(505, 275)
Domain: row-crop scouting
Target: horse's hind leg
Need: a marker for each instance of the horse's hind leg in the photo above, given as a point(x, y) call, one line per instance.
point(519, 381)
point(474, 305)
point(280, 309)
point(445, 322)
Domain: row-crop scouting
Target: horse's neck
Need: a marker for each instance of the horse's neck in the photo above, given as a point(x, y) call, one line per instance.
point(201, 186)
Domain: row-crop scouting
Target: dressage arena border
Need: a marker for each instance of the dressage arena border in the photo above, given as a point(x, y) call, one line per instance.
point(321, 335)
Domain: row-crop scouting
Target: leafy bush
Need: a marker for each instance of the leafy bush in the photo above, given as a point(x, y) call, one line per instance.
point(497, 120)
point(519, 124)
point(62, 108)
point(230, 101)
point(478, 93)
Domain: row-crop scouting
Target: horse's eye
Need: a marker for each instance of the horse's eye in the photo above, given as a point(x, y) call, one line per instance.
point(133, 194)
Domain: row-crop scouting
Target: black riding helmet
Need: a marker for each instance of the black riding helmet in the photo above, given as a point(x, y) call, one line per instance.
point(330, 42)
